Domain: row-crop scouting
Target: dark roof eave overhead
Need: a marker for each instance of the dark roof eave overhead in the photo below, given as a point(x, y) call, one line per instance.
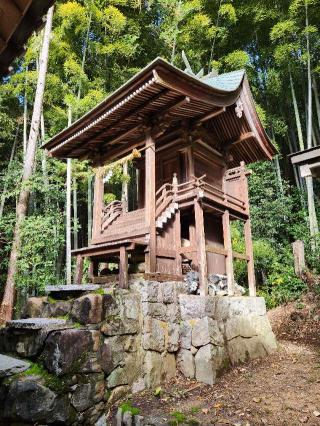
point(17, 23)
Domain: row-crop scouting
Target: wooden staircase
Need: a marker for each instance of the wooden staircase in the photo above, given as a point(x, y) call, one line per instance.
point(167, 215)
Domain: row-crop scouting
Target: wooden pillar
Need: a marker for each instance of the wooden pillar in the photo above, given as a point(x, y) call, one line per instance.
point(249, 253)
point(97, 206)
point(93, 269)
point(79, 270)
point(125, 189)
point(177, 228)
point(150, 203)
point(228, 248)
point(190, 163)
point(177, 242)
point(201, 248)
point(123, 268)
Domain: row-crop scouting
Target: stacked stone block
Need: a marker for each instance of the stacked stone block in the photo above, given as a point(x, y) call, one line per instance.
point(115, 342)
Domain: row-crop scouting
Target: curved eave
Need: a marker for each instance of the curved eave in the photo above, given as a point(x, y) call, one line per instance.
point(268, 150)
point(159, 73)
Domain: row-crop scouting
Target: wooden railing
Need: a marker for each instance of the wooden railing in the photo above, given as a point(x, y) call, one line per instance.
point(110, 212)
point(164, 196)
point(197, 186)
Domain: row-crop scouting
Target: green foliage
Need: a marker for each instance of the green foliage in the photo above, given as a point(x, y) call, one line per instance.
point(40, 238)
point(109, 197)
point(282, 287)
point(127, 407)
point(283, 30)
point(273, 234)
point(53, 382)
point(228, 12)
point(236, 60)
point(179, 418)
point(158, 392)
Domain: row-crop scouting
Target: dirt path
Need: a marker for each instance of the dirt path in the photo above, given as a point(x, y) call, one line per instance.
point(283, 389)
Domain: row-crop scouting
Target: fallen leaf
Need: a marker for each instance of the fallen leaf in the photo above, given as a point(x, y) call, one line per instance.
point(218, 405)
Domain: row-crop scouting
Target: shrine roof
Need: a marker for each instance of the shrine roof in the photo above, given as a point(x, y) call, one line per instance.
point(163, 96)
point(227, 82)
point(18, 20)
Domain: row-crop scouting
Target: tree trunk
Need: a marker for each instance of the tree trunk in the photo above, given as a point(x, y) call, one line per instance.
point(25, 116)
point(8, 298)
point(176, 30)
point(297, 115)
point(309, 115)
point(5, 186)
point(313, 223)
point(277, 166)
point(44, 165)
point(89, 208)
point(75, 214)
point(68, 213)
point(316, 97)
point(86, 41)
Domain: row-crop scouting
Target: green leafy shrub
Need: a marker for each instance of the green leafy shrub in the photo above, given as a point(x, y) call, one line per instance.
point(40, 236)
point(179, 418)
point(282, 287)
point(128, 407)
point(109, 197)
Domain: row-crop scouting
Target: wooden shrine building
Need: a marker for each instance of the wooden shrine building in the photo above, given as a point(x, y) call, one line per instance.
point(190, 138)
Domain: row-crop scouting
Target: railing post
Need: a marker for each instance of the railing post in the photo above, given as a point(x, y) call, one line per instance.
point(175, 185)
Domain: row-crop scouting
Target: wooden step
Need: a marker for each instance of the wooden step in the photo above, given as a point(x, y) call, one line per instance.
point(166, 215)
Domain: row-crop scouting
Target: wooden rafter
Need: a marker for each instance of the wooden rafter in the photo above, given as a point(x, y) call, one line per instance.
point(174, 105)
point(209, 116)
point(244, 137)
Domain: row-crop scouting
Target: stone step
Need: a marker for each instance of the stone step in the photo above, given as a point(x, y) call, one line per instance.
point(10, 366)
point(37, 323)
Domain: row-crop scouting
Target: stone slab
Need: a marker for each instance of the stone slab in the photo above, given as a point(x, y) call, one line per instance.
point(10, 366)
point(228, 307)
point(71, 288)
point(36, 323)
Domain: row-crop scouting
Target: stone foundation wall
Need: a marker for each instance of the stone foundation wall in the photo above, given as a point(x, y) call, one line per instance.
point(114, 342)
